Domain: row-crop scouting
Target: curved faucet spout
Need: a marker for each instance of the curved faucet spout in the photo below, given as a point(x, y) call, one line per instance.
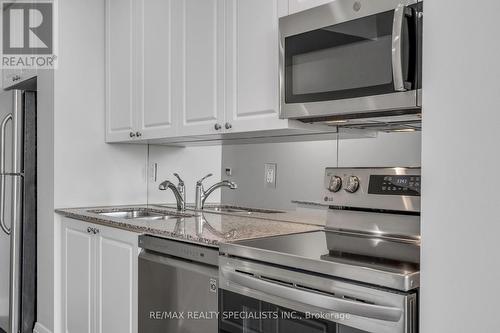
point(181, 204)
point(202, 195)
point(225, 183)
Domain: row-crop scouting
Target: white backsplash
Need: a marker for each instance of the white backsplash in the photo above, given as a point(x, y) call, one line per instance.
point(301, 165)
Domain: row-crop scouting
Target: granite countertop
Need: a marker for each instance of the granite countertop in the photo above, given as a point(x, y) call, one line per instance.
point(206, 228)
point(306, 212)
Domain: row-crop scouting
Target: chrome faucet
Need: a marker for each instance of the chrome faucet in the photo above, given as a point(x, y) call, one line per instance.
point(179, 191)
point(202, 195)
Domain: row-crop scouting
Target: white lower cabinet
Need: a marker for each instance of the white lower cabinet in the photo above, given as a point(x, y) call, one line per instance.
point(99, 278)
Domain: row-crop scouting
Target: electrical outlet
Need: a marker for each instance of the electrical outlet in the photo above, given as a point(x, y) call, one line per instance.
point(154, 172)
point(270, 175)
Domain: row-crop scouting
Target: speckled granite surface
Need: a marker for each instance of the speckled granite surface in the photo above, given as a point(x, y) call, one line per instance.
point(207, 228)
point(305, 213)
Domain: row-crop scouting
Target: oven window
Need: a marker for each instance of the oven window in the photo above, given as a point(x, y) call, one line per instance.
point(346, 60)
point(256, 316)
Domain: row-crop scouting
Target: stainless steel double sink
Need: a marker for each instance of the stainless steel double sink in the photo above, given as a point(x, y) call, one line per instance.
point(141, 214)
point(155, 214)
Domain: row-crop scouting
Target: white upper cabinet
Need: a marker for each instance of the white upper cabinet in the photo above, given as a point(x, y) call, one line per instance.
point(138, 70)
point(295, 6)
point(201, 67)
point(252, 68)
point(120, 97)
point(154, 69)
point(178, 69)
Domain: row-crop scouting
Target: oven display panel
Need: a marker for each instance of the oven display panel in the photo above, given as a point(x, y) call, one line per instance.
point(394, 185)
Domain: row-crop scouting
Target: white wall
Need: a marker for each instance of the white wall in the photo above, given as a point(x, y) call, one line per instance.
point(85, 171)
point(301, 166)
point(460, 222)
point(191, 163)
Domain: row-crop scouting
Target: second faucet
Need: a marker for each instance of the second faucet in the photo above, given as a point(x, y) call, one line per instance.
point(201, 195)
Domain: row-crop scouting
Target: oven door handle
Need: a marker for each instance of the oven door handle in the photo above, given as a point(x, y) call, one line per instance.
point(397, 46)
point(309, 298)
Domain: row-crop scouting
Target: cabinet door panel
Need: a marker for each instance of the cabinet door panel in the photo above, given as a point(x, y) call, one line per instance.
point(78, 257)
point(155, 116)
point(117, 281)
point(252, 65)
point(202, 66)
point(119, 70)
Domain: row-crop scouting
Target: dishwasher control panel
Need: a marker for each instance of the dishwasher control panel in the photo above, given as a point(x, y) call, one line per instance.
point(179, 249)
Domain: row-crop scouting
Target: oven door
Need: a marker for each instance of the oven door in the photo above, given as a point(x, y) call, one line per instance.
point(350, 57)
point(260, 298)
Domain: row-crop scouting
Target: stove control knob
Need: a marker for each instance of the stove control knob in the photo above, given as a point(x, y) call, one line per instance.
point(335, 184)
point(352, 184)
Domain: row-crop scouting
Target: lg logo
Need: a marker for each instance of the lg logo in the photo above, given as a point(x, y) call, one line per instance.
point(27, 28)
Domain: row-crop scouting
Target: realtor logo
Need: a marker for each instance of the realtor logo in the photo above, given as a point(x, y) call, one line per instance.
point(28, 35)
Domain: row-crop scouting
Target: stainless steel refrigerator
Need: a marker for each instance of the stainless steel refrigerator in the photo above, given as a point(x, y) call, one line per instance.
point(18, 210)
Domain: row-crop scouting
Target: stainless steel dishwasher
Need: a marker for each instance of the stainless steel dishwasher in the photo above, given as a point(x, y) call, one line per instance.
point(178, 286)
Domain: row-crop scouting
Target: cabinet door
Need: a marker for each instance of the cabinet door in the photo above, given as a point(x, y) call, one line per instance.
point(120, 87)
point(77, 277)
point(252, 69)
point(117, 256)
point(12, 77)
point(156, 118)
point(295, 6)
point(200, 66)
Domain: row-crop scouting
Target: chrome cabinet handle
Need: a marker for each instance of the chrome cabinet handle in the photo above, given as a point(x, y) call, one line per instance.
point(138, 134)
point(94, 231)
point(329, 303)
point(228, 126)
point(397, 44)
point(132, 134)
point(217, 127)
point(3, 126)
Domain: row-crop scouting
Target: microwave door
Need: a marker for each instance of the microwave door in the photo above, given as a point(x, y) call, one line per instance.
point(355, 65)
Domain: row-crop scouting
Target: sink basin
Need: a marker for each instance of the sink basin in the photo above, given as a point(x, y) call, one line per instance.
point(141, 214)
point(242, 210)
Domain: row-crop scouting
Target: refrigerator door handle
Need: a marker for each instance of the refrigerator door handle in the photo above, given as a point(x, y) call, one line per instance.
point(3, 127)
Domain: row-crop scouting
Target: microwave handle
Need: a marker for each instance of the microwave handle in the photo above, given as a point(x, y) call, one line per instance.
point(397, 46)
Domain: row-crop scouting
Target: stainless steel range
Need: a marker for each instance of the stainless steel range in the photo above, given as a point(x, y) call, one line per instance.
point(359, 275)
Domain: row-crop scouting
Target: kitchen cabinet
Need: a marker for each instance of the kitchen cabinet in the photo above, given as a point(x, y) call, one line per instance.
point(252, 66)
point(138, 70)
point(201, 67)
point(193, 69)
point(11, 77)
point(121, 93)
point(295, 6)
point(99, 278)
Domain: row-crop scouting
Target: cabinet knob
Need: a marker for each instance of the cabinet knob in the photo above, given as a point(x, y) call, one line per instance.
point(96, 231)
point(228, 126)
point(132, 134)
point(138, 134)
point(89, 230)
point(217, 127)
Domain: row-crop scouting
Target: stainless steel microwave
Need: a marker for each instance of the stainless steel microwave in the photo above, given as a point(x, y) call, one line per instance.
point(352, 59)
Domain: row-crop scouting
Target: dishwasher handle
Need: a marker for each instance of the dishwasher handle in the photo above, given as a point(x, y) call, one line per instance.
point(309, 298)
